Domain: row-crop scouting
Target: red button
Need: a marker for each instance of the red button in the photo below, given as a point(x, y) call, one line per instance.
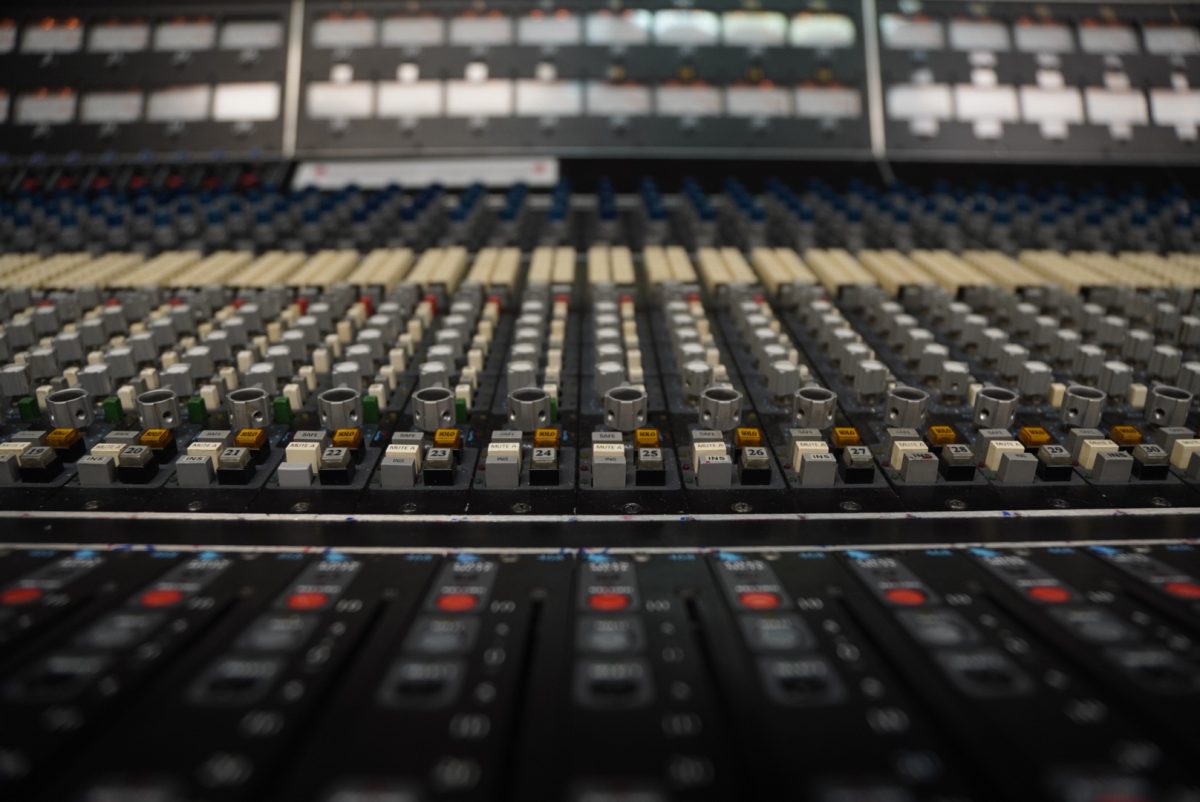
point(1051, 594)
point(759, 600)
point(307, 601)
point(608, 601)
point(16, 596)
point(457, 602)
point(1184, 590)
point(161, 598)
point(909, 597)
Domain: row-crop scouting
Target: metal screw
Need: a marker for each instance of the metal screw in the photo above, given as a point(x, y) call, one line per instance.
point(1159, 501)
point(850, 506)
point(1059, 503)
point(741, 507)
point(520, 508)
point(300, 506)
point(409, 507)
point(91, 505)
point(632, 508)
point(956, 504)
point(195, 506)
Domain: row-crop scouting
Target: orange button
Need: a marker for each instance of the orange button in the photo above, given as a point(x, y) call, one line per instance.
point(457, 602)
point(161, 598)
point(908, 597)
point(1183, 590)
point(255, 439)
point(312, 600)
point(447, 438)
point(942, 435)
point(846, 436)
point(1051, 594)
point(646, 438)
point(759, 600)
point(62, 438)
point(347, 438)
point(608, 601)
point(1034, 436)
point(545, 438)
point(18, 596)
point(1125, 435)
point(156, 438)
point(747, 437)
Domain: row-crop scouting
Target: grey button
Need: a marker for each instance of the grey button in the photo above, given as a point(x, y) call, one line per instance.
point(1094, 624)
point(440, 635)
point(119, 630)
point(609, 684)
point(984, 673)
point(417, 684)
point(610, 634)
point(777, 632)
point(802, 681)
point(938, 628)
point(278, 632)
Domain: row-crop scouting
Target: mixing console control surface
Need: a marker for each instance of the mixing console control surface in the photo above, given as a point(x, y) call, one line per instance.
point(230, 675)
point(799, 350)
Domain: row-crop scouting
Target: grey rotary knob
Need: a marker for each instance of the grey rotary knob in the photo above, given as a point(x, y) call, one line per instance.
point(1064, 345)
point(1165, 361)
point(433, 374)
point(870, 378)
point(1087, 362)
point(720, 408)
point(697, 375)
point(528, 408)
point(1034, 380)
point(625, 408)
point(1115, 378)
point(906, 407)
point(1189, 377)
point(433, 408)
point(249, 408)
point(521, 373)
point(995, 408)
point(158, 409)
point(783, 378)
point(340, 408)
point(70, 408)
point(1082, 406)
point(1167, 405)
point(813, 407)
point(608, 374)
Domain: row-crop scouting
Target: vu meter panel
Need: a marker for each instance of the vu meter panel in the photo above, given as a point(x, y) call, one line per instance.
point(584, 78)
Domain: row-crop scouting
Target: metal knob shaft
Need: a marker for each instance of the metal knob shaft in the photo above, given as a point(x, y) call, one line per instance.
point(625, 408)
point(158, 409)
point(70, 408)
point(528, 408)
point(249, 408)
point(340, 408)
point(720, 408)
point(433, 408)
point(1082, 406)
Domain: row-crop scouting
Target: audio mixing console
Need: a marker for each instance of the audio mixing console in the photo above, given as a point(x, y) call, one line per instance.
point(599, 402)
